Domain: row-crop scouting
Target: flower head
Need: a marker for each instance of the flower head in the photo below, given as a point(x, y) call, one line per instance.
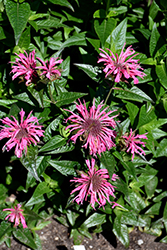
point(122, 66)
point(16, 215)
point(24, 67)
point(95, 184)
point(21, 135)
point(49, 68)
point(93, 127)
point(131, 141)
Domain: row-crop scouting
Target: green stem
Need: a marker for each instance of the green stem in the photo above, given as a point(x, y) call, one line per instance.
point(109, 93)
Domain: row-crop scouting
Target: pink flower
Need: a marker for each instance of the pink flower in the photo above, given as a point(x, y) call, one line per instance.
point(21, 135)
point(24, 67)
point(95, 184)
point(122, 66)
point(16, 215)
point(131, 142)
point(49, 68)
point(94, 128)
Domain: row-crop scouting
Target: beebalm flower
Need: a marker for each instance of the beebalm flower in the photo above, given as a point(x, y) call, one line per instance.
point(49, 68)
point(21, 135)
point(93, 127)
point(16, 216)
point(24, 67)
point(123, 66)
point(94, 183)
point(132, 143)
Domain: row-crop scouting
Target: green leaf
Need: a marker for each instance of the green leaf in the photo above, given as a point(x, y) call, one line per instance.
point(153, 11)
point(104, 29)
point(91, 71)
point(121, 232)
point(154, 40)
point(150, 186)
point(75, 40)
point(55, 142)
point(146, 116)
point(52, 126)
point(24, 40)
point(64, 167)
point(108, 161)
point(161, 150)
point(37, 196)
point(5, 103)
point(41, 165)
point(94, 220)
point(154, 210)
point(160, 196)
point(165, 216)
point(18, 15)
point(5, 227)
point(132, 111)
point(134, 94)
point(29, 161)
point(62, 3)
point(25, 237)
point(119, 35)
point(63, 149)
point(162, 74)
point(67, 98)
point(136, 201)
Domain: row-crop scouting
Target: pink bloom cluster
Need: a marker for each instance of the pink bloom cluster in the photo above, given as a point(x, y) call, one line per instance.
point(131, 142)
point(94, 127)
point(21, 135)
point(25, 67)
point(122, 66)
point(16, 215)
point(95, 184)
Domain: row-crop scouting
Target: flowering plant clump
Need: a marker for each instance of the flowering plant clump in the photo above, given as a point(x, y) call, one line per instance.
point(95, 127)
point(83, 111)
point(16, 215)
point(21, 135)
point(123, 66)
point(132, 143)
point(95, 184)
point(25, 67)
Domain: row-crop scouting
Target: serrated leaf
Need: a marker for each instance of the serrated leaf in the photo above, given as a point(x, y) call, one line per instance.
point(108, 161)
point(119, 35)
point(5, 103)
point(67, 98)
point(24, 40)
point(161, 150)
point(154, 40)
point(146, 116)
point(37, 196)
point(41, 165)
point(18, 15)
point(55, 142)
point(25, 237)
point(154, 210)
point(150, 186)
point(62, 3)
point(162, 74)
point(132, 111)
point(121, 232)
point(104, 29)
point(29, 161)
point(5, 228)
point(94, 220)
point(134, 94)
point(91, 71)
point(64, 167)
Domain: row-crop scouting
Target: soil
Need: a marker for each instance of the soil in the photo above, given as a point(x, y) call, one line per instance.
point(55, 237)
